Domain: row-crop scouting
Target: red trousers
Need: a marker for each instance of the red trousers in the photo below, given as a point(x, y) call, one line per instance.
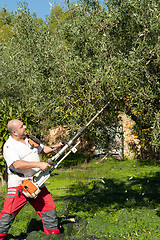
point(43, 204)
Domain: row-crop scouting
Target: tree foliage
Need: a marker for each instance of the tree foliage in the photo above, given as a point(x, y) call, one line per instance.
point(138, 33)
point(5, 25)
point(64, 71)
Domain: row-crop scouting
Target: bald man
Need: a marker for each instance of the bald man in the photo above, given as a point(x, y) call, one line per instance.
point(23, 161)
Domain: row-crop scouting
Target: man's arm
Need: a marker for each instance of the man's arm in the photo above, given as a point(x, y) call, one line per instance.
point(47, 149)
point(24, 165)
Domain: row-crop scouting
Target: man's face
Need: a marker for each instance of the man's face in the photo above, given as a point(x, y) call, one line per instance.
point(20, 129)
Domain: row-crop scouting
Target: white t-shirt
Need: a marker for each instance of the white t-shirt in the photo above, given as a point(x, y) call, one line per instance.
point(13, 151)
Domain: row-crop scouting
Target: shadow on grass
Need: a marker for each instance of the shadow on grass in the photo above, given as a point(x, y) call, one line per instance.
point(34, 225)
point(136, 192)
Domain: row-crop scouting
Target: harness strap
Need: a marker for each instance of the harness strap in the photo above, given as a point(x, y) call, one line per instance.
point(13, 170)
point(33, 141)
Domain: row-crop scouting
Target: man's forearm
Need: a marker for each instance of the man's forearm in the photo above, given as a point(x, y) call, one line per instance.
point(24, 165)
point(47, 149)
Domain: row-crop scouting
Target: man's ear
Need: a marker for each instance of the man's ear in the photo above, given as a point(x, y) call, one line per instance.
point(14, 133)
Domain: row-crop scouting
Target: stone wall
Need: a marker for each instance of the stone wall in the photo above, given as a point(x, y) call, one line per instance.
point(130, 141)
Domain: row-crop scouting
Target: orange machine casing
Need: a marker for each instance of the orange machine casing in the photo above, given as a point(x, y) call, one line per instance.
point(28, 186)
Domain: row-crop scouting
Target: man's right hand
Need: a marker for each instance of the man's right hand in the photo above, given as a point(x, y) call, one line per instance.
point(44, 166)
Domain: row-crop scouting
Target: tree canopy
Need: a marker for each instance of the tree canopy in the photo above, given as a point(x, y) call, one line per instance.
point(62, 71)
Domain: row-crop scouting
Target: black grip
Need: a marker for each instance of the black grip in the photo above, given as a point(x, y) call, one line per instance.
point(50, 161)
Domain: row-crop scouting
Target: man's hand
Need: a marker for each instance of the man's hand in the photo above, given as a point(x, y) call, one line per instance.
point(44, 166)
point(61, 144)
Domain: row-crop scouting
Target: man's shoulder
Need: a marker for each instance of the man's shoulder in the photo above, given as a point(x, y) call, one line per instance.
point(8, 140)
point(8, 143)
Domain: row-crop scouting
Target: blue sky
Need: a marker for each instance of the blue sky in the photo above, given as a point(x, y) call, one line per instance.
point(41, 7)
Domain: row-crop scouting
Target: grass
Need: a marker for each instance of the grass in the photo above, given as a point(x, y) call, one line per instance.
point(102, 199)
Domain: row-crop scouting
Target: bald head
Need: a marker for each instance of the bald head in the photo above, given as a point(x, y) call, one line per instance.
point(12, 125)
point(16, 128)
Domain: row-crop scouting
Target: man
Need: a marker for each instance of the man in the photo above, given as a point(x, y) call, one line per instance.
point(22, 162)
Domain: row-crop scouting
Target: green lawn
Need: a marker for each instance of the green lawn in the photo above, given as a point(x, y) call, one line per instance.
point(102, 199)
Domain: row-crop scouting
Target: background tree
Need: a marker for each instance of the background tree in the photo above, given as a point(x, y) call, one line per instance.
point(137, 31)
point(5, 25)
